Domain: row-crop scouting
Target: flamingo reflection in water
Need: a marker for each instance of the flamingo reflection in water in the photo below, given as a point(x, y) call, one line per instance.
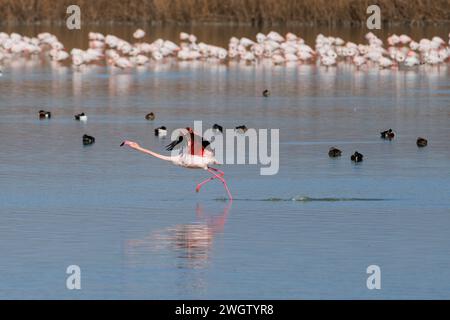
point(191, 243)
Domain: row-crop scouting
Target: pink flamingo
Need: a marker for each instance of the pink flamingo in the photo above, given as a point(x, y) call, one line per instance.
point(195, 156)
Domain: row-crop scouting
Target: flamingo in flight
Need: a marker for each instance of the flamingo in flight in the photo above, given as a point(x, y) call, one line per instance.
point(194, 155)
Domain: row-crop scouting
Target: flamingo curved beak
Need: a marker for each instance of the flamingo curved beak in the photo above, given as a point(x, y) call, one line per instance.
point(125, 143)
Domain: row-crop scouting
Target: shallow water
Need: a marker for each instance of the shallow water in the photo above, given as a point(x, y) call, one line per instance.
point(136, 227)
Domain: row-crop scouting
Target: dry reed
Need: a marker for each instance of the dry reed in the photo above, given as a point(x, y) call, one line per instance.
point(254, 12)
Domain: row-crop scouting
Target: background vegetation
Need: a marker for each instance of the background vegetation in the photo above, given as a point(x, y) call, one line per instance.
point(254, 12)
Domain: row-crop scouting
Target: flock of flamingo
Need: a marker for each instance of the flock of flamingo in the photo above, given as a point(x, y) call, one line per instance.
point(402, 50)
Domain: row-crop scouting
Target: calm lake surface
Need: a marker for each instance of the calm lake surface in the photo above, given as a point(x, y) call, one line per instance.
point(138, 230)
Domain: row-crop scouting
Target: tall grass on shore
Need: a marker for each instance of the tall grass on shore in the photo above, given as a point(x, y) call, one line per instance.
point(254, 12)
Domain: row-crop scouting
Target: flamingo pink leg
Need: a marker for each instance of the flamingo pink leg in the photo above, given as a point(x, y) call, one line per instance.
point(201, 184)
point(217, 170)
point(211, 170)
point(215, 176)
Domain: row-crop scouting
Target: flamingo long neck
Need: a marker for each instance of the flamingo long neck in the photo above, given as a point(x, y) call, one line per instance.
point(156, 155)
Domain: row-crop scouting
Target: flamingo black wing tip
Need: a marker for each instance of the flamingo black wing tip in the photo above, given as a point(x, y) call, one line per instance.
point(170, 147)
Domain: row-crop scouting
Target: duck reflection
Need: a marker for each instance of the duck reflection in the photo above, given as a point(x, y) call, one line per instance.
point(190, 243)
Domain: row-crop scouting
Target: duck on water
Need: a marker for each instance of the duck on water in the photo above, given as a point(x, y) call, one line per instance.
point(388, 134)
point(357, 157)
point(334, 152)
point(81, 117)
point(45, 114)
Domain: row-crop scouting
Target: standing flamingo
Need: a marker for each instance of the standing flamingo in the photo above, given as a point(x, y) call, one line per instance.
point(195, 155)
